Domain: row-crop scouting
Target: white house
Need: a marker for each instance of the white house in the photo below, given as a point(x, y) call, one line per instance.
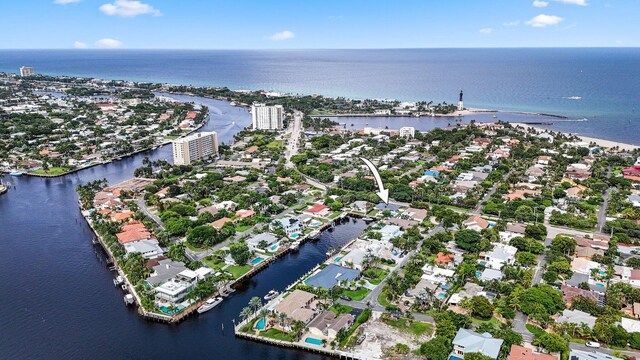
point(500, 255)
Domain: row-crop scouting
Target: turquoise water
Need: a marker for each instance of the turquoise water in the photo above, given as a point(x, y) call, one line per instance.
point(478, 273)
point(338, 258)
point(454, 358)
point(315, 223)
point(260, 325)
point(442, 295)
point(313, 341)
point(294, 235)
point(166, 310)
point(257, 261)
point(599, 284)
point(274, 247)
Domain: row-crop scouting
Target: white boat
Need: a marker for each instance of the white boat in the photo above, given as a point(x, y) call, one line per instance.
point(367, 219)
point(15, 173)
point(128, 299)
point(118, 280)
point(233, 103)
point(209, 304)
point(271, 295)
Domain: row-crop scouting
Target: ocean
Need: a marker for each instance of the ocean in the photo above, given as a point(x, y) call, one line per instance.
point(601, 85)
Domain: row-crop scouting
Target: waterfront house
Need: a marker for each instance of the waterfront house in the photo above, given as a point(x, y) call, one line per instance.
point(165, 270)
point(317, 210)
point(298, 306)
point(254, 241)
point(173, 291)
point(328, 324)
point(467, 341)
point(149, 249)
point(360, 205)
point(389, 232)
point(331, 275)
point(290, 225)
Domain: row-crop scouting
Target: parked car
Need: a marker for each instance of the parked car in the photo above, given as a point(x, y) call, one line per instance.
point(345, 297)
point(593, 344)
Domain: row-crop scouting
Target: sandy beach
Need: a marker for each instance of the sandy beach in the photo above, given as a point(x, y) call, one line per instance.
point(600, 142)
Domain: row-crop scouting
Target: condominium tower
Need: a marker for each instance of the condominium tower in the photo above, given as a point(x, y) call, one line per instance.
point(267, 117)
point(197, 146)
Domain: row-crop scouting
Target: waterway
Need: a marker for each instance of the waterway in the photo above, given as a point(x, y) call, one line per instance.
point(58, 298)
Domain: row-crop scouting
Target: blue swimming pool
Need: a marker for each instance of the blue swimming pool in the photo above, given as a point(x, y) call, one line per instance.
point(294, 236)
point(274, 247)
point(599, 284)
point(337, 259)
point(478, 273)
point(315, 341)
point(454, 358)
point(442, 295)
point(257, 261)
point(315, 223)
point(261, 324)
point(167, 311)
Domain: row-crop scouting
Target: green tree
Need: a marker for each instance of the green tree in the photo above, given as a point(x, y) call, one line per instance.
point(470, 240)
point(240, 252)
point(552, 342)
point(481, 307)
point(526, 258)
point(437, 348)
point(202, 235)
point(536, 231)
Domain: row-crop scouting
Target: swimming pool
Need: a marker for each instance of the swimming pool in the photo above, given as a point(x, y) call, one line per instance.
point(166, 310)
point(315, 223)
point(257, 261)
point(599, 284)
point(261, 324)
point(454, 358)
point(294, 236)
point(337, 259)
point(274, 247)
point(314, 341)
point(442, 295)
point(478, 274)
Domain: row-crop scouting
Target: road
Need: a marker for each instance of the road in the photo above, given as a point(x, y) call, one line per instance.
point(602, 212)
point(145, 210)
point(293, 142)
point(583, 347)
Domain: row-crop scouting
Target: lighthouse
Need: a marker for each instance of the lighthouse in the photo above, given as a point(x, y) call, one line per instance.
point(460, 103)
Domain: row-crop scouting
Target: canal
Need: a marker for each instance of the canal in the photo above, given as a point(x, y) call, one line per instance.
point(58, 298)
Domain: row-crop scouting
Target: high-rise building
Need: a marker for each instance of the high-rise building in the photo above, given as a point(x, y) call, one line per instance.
point(198, 146)
point(408, 132)
point(267, 117)
point(26, 71)
point(460, 103)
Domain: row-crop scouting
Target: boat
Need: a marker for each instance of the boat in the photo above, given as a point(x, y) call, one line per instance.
point(330, 251)
point(271, 295)
point(3, 189)
point(209, 304)
point(128, 299)
point(361, 339)
point(233, 103)
point(118, 280)
point(314, 234)
point(495, 116)
point(124, 287)
point(15, 173)
point(367, 219)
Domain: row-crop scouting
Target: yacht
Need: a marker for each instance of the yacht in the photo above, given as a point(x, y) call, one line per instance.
point(271, 295)
point(118, 280)
point(209, 304)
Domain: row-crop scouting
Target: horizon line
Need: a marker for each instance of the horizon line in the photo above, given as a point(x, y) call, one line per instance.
point(323, 49)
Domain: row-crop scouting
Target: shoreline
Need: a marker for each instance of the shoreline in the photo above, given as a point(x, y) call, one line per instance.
point(588, 139)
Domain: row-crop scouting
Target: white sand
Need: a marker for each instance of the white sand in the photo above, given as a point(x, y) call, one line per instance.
point(600, 142)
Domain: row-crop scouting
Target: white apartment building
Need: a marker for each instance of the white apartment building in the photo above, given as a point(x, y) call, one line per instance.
point(27, 71)
point(408, 132)
point(197, 146)
point(267, 117)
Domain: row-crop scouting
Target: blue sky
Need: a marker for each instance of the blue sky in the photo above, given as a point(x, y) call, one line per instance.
point(299, 24)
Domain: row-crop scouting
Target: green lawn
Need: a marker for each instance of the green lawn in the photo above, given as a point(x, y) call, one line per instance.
point(536, 331)
point(375, 275)
point(373, 212)
point(171, 137)
point(213, 264)
point(277, 145)
point(417, 328)
point(238, 271)
point(358, 294)
point(194, 248)
point(578, 341)
point(276, 334)
point(340, 309)
point(493, 321)
point(382, 299)
point(335, 214)
point(242, 228)
point(52, 171)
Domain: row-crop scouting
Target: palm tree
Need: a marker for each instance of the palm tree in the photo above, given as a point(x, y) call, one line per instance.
point(283, 319)
point(245, 313)
point(255, 303)
point(263, 314)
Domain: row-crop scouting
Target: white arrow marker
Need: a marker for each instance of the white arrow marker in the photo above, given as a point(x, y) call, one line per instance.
point(382, 192)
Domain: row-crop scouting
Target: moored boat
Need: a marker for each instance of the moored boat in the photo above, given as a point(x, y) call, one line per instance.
point(209, 304)
point(271, 295)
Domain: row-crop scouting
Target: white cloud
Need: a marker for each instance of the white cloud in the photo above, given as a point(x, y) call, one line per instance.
point(79, 45)
point(543, 20)
point(573, 2)
point(486, 30)
point(108, 43)
point(128, 8)
point(282, 35)
point(64, 2)
point(511, 23)
point(540, 3)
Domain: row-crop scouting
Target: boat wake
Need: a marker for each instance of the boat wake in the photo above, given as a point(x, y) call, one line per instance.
point(572, 97)
point(572, 120)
